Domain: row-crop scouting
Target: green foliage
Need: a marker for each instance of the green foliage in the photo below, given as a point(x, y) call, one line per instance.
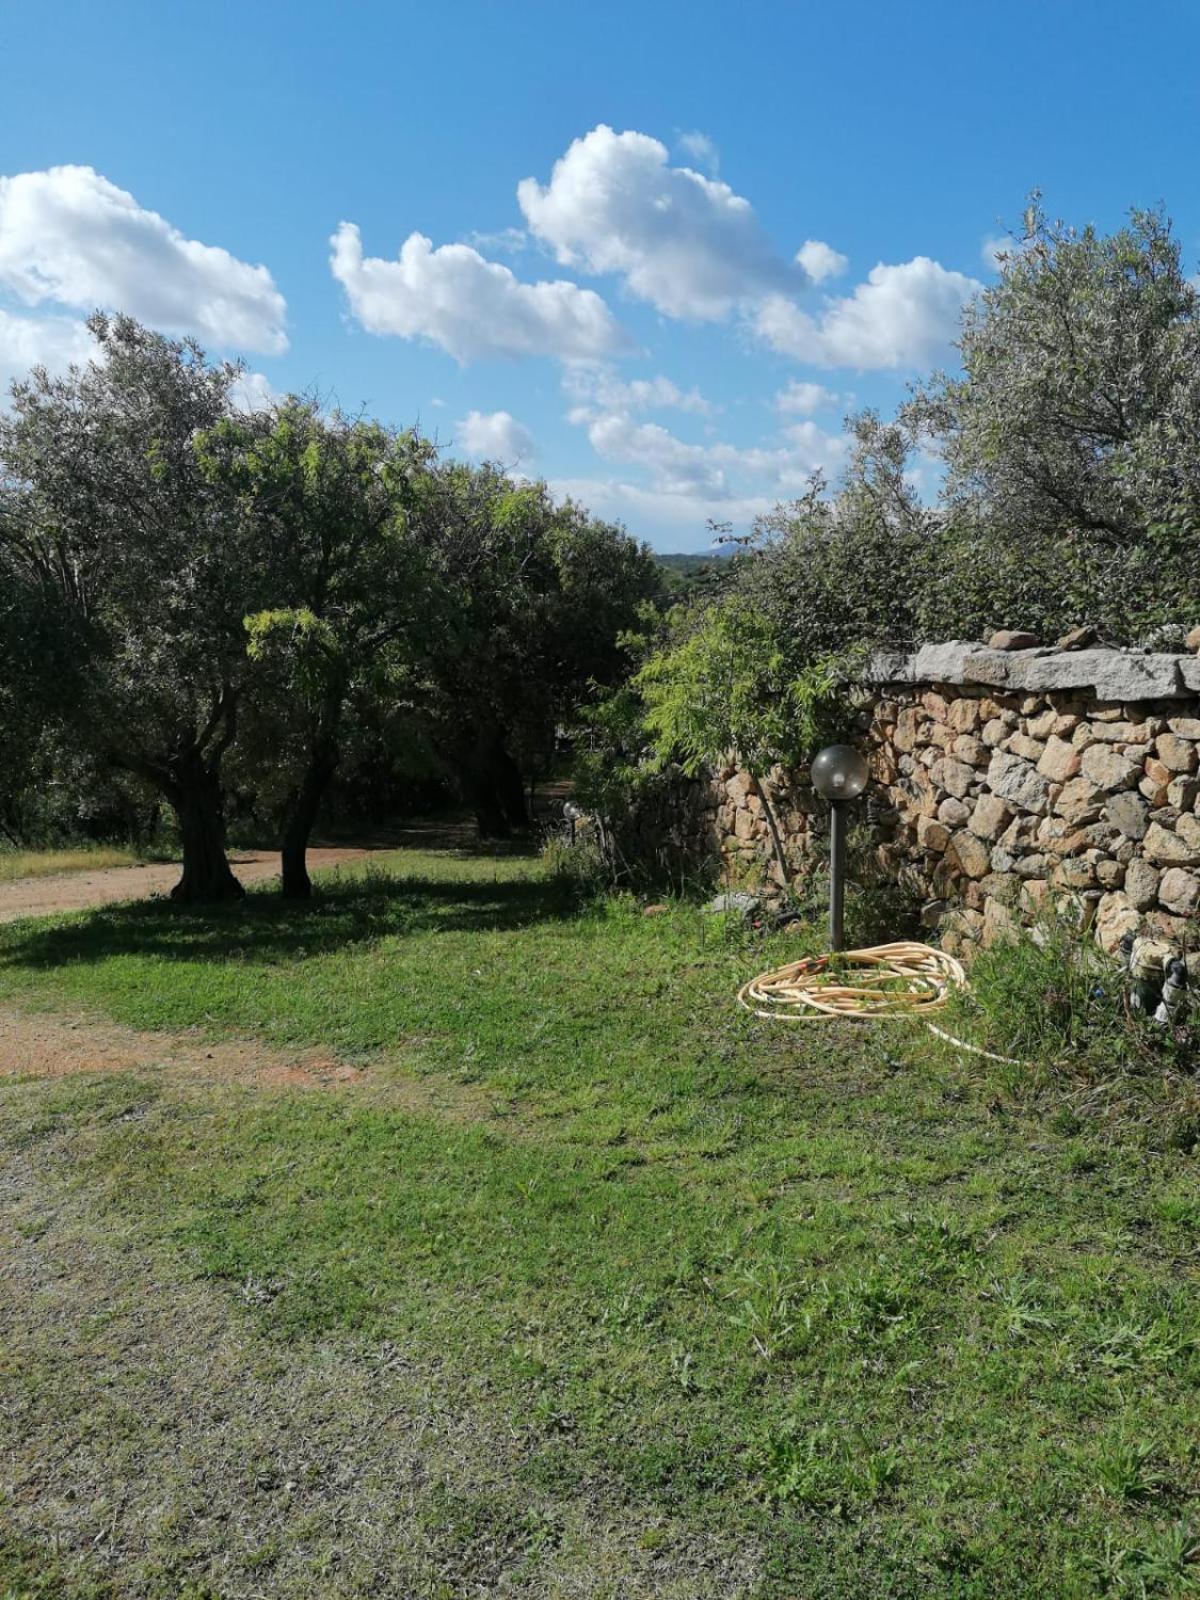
point(725, 684)
point(844, 572)
point(1069, 438)
point(197, 596)
point(141, 564)
point(687, 576)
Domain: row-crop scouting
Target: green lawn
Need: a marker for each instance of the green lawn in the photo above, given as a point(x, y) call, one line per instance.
point(711, 1307)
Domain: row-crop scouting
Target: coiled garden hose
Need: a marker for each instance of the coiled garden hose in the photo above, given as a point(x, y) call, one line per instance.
point(898, 982)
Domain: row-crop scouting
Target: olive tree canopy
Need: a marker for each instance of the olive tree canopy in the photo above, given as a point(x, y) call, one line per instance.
point(136, 555)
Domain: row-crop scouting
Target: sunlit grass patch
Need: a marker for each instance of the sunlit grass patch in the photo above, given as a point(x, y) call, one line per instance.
point(46, 863)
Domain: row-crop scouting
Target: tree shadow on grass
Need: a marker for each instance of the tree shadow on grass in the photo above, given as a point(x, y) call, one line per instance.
point(265, 929)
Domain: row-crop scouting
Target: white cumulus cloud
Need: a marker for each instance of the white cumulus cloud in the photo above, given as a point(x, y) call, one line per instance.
point(902, 316)
point(595, 386)
point(717, 471)
point(702, 150)
point(68, 235)
point(802, 399)
point(679, 521)
point(253, 391)
point(473, 308)
point(686, 243)
point(494, 436)
point(51, 342)
point(821, 260)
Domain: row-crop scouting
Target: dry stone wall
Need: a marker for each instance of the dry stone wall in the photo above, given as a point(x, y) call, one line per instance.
point(1007, 780)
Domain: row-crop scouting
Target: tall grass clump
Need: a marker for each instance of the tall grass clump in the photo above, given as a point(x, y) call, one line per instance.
point(1055, 1001)
point(577, 866)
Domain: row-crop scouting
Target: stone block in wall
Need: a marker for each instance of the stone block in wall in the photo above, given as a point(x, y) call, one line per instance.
point(1176, 754)
point(960, 929)
point(1033, 896)
point(908, 725)
point(745, 825)
point(970, 853)
point(1183, 793)
point(1108, 674)
point(1115, 917)
point(1128, 812)
point(1018, 781)
point(1122, 733)
point(955, 777)
point(932, 834)
point(1079, 801)
point(1002, 886)
point(1074, 872)
point(953, 812)
point(1179, 892)
point(1059, 761)
point(1171, 847)
point(1108, 769)
point(990, 816)
point(1141, 884)
point(1000, 925)
point(971, 750)
point(964, 715)
point(1156, 784)
point(1028, 749)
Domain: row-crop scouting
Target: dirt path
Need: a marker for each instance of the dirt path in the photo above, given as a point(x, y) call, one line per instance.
point(76, 891)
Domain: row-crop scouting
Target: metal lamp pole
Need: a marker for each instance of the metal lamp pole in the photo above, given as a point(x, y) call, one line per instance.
point(839, 774)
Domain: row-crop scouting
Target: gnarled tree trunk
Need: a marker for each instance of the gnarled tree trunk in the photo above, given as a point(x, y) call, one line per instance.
point(195, 795)
point(493, 786)
point(189, 778)
point(301, 818)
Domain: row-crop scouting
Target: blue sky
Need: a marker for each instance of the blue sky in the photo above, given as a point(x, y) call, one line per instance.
point(631, 321)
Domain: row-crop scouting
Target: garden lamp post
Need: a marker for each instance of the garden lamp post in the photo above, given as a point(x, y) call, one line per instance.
point(839, 775)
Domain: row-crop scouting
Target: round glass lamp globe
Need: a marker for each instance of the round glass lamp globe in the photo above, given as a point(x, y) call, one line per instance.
point(839, 772)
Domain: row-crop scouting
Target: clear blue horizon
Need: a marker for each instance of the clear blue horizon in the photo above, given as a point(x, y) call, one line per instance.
point(652, 254)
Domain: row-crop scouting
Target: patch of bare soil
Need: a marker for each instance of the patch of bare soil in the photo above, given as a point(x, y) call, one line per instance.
point(77, 891)
point(41, 1045)
point(36, 1044)
point(152, 1444)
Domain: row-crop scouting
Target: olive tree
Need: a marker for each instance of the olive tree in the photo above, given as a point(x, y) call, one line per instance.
point(536, 594)
point(139, 561)
point(349, 587)
point(1070, 435)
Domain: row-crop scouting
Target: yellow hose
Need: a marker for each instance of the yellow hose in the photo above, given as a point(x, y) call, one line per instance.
point(902, 981)
point(887, 982)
